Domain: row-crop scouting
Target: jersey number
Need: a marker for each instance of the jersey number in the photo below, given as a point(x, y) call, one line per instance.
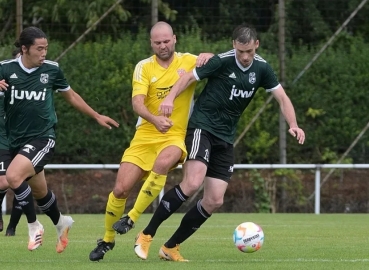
point(2, 166)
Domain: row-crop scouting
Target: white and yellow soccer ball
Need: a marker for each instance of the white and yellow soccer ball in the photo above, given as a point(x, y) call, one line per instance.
point(248, 237)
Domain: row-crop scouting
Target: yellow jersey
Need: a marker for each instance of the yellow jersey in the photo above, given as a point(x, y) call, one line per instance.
point(155, 82)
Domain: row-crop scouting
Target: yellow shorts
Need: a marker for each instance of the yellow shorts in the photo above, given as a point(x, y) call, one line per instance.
point(144, 150)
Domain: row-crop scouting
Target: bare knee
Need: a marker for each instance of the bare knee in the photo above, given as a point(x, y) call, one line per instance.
point(212, 204)
point(190, 187)
point(3, 183)
point(120, 192)
point(13, 179)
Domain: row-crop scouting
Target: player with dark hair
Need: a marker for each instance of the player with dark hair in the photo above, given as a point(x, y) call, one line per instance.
point(233, 79)
point(16, 212)
point(30, 82)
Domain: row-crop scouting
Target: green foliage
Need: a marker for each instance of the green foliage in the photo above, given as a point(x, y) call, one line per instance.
point(101, 73)
point(292, 186)
point(335, 86)
point(261, 199)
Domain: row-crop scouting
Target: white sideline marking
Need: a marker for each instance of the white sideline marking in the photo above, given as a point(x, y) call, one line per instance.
point(294, 260)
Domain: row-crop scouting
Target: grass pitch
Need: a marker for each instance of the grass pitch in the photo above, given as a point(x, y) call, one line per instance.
point(292, 241)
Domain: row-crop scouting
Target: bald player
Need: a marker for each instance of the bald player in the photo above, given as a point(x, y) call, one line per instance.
point(158, 144)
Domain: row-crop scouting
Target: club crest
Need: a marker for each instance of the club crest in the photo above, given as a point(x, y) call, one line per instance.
point(181, 72)
point(44, 78)
point(252, 77)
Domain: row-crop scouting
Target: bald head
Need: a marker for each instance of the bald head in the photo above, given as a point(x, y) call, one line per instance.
point(163, 41)
point(162, 28)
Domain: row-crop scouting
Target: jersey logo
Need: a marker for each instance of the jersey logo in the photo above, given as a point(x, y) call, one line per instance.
point(230, 169)
point(24, 94)
point(240, 93)
point(44, 78)
point(13, 76)
point(252, 77)
point(206, 157)
point(28, 147)
point(153, 79)
point(233, 76)
point(181, 72)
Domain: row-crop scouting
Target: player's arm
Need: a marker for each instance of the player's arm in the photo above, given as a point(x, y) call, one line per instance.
point(288, 111)
point(166, 107)
point(161, 123)
point(3, 84)
point(77, 102)
point(203, 58)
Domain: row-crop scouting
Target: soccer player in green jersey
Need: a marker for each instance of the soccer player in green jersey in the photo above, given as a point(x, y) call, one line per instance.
point(4, 163)
point(233, 79)
point(30, 121)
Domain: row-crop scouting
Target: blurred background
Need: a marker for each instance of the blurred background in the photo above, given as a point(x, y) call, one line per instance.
point(318, 49)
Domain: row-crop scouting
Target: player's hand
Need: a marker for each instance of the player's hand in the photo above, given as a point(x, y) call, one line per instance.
point(3, 85)
point(298, 133)
point(166, 107)
point(203, 58)
point(106, 121)
point(162, 123)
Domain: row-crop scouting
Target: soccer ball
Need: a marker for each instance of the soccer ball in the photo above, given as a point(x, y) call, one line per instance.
point(248, 237)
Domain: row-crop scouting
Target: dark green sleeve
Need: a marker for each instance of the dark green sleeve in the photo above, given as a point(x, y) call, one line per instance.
point(210, 69)
point(1, 72)
point(269, 79)
point(60, 82)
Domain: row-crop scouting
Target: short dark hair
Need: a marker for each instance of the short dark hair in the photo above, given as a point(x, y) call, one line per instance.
point(244, 34)
point(15, 52)
point(27, 37)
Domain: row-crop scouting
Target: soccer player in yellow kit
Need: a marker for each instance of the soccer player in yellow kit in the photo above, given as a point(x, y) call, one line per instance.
point(158, 145)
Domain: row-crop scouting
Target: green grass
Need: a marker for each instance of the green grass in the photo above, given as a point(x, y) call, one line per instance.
point(292, 241)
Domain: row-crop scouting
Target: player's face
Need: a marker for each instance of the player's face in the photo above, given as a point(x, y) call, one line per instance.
point(36, 54)
point(245, 52)
point(163, 45)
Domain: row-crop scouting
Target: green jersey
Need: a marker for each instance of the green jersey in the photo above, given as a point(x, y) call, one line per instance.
point(29, 100)
point(228, 91)
point(4, 145)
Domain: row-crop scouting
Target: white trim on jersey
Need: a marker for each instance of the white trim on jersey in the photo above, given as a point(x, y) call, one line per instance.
point(272, 89)
point(63, 90)
point(8, 61)
point(43, 152)
point(139, 122)
point(51, 62)
point(195, 74)
point(139, 67)
point(195, 144)
point(259, 58)
point(227, 54)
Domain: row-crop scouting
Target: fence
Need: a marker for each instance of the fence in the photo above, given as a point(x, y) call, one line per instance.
point(316, 167)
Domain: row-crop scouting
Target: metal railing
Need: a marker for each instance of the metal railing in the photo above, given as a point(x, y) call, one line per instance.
point(316, 167)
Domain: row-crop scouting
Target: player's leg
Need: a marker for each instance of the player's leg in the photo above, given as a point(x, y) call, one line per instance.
point(218, 174)
point(214, 190)
point(5, 159)
point(169, 157)
point(15, 216)
point(194, 170)
point(20, 169)
point(47, 202)
point(3, 189)
point(27, 165)
point(128, 175)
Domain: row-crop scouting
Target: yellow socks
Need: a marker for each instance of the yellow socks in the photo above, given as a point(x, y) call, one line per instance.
point(149, 191)
point(114, 211)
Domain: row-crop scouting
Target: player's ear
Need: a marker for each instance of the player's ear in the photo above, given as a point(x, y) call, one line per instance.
point(234, 44)
point(175, 39)
point(257, 44)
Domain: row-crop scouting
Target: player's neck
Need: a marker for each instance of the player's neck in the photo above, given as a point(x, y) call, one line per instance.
point(26, 63)
point(165, 63)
